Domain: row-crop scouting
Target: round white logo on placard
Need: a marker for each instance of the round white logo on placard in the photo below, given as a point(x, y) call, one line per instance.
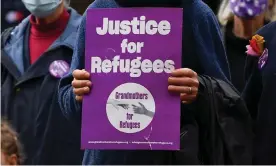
point(130, 108)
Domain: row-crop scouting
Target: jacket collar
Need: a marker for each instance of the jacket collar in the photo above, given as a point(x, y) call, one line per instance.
point(67, 38)
point(14, 46)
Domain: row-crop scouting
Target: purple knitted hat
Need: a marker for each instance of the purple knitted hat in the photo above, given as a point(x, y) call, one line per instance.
point(248, 8)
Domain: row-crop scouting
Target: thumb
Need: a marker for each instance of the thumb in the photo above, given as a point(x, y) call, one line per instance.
point(141, 105)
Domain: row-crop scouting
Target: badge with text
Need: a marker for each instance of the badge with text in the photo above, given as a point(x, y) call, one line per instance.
point(130, 54)
point(263, 59)
point(59, 68)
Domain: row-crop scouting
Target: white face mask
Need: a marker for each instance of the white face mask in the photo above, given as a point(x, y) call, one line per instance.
point(41, 8)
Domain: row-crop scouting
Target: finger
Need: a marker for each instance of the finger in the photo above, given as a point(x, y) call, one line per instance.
point(140, 104)
point(81, 83)
point(81, 74)
point(183, 72)
point(81, 91)
point(79, 98)
point(182, 89)
point(185, 98)
point(187, 81)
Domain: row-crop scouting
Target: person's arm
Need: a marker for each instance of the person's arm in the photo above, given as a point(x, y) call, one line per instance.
point(203, 49)
point(69, 106)
point(117, 104)
point(112, 101)
point(149, 114)
point(211, 52)
point(253, 89)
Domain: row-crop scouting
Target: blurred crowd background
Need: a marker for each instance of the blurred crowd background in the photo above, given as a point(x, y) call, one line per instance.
point(13, 11)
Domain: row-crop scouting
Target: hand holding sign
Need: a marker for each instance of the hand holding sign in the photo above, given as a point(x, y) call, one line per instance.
point(185, 82)
point(81, 83)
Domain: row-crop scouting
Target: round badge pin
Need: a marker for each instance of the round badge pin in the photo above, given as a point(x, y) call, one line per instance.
point(59, 68)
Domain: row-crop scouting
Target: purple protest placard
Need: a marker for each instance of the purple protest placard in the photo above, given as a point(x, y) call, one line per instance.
point(130, 53)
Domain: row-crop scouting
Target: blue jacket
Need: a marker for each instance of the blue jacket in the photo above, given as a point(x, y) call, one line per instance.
point(29, 97)
point(203, 52)
point(259, 95)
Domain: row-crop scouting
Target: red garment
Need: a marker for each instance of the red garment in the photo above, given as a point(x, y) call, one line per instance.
point(43, 35)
